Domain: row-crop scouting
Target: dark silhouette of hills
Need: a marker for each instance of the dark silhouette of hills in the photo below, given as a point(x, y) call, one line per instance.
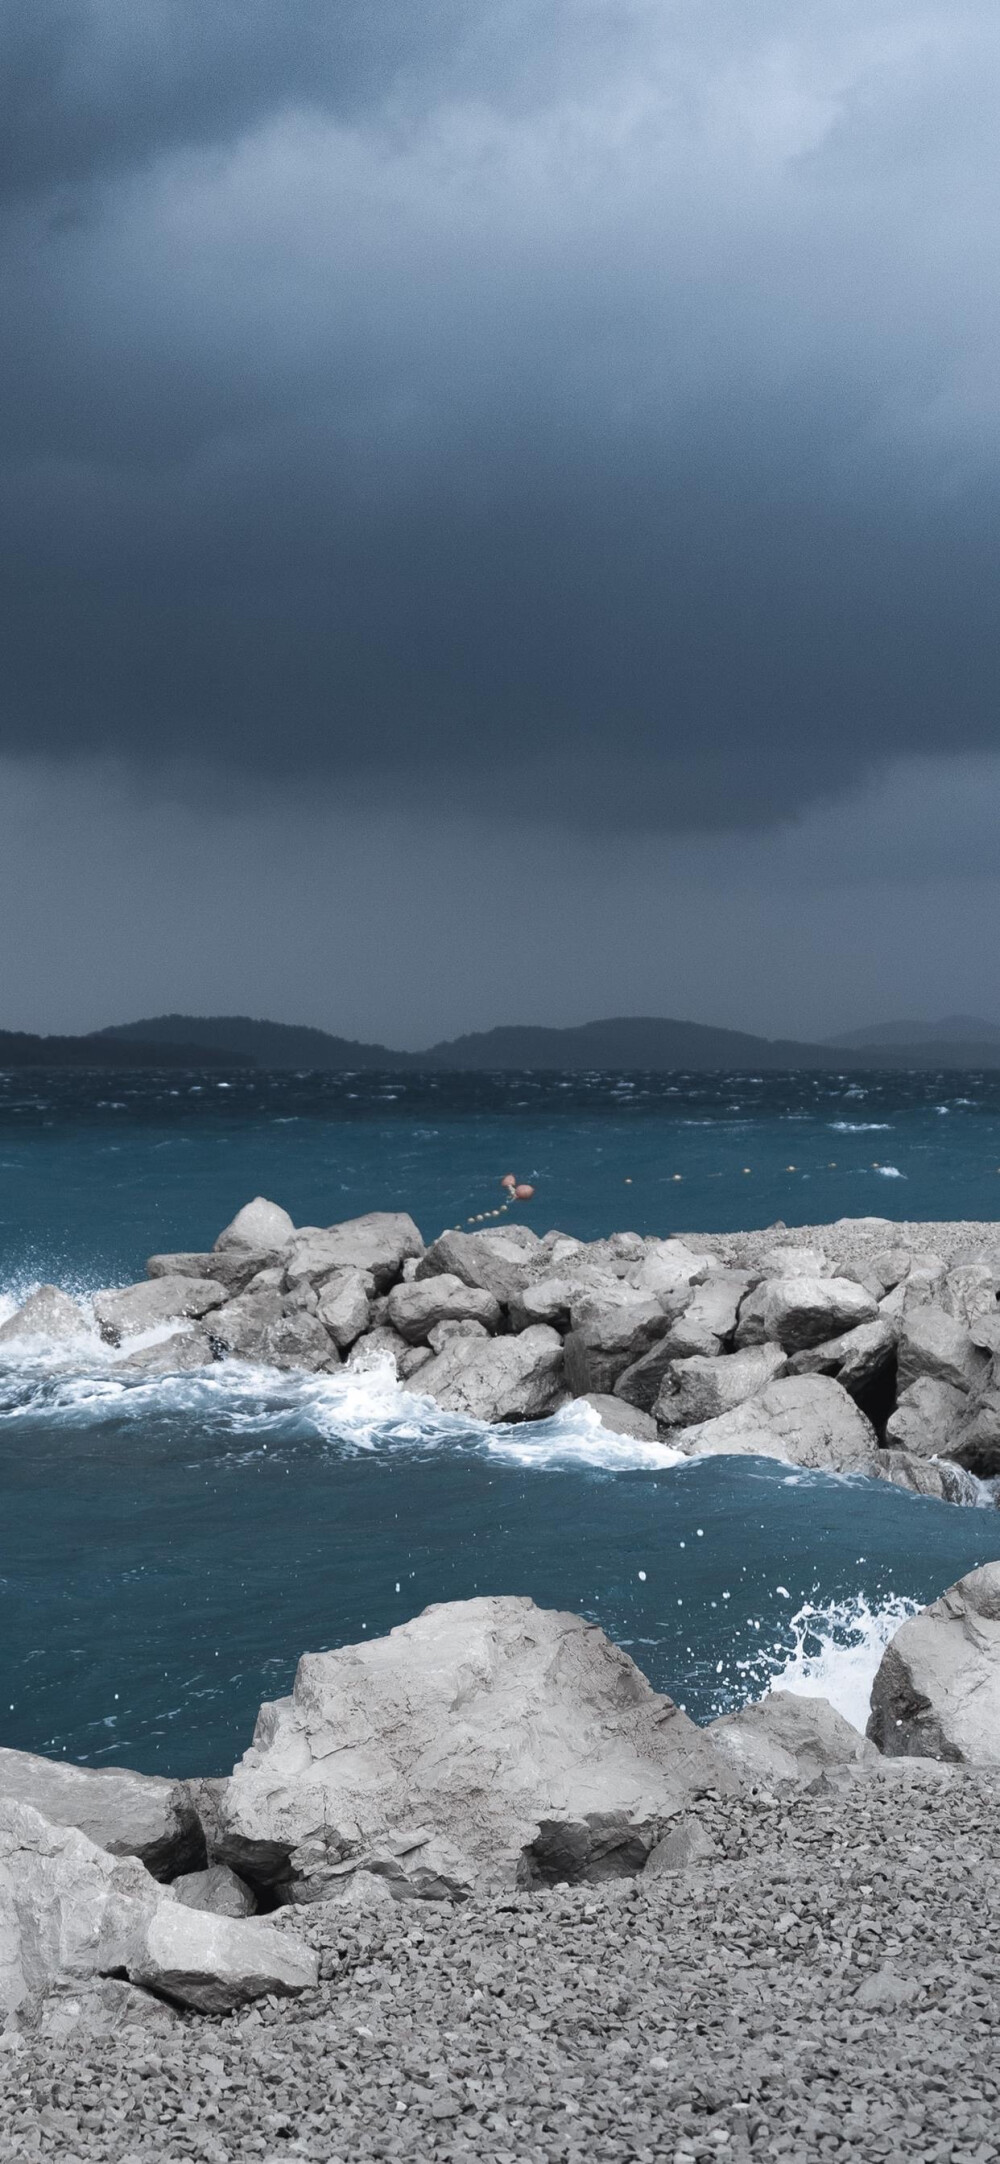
point(637, 1042)
point(19, 1048)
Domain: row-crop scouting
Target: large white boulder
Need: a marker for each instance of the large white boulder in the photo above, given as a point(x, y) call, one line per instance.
point(129, 1814)
point(926, 1415)
point(506, 1378)
point(786, 1737)
point(804, 1420)
point(378, 1244)
point(501, 1261)
point(709, 1318)
point(932, 1342)
point(802, 1311)
point(488, 1725)
point(937, 1690)
point(260, 1224)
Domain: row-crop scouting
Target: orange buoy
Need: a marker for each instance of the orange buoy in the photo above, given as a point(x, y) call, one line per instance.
point(509, 1180)
point(523, 1192)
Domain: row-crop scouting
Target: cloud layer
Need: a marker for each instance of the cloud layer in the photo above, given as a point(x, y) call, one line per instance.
point(443, 407)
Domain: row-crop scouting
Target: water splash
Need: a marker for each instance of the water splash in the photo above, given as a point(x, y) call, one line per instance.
point(833, 1652)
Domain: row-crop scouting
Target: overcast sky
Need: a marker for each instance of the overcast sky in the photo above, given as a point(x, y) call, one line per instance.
point(499, 511)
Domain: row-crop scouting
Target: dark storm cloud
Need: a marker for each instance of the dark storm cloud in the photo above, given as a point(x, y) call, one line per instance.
point(417, 409)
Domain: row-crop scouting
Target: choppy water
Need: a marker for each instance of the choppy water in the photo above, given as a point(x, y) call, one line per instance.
point(169, 1547)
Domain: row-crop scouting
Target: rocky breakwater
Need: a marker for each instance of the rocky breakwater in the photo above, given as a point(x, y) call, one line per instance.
point(861, 1347)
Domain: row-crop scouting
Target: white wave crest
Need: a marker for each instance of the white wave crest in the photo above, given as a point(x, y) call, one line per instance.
point(860, 1127)
point(836, 1652)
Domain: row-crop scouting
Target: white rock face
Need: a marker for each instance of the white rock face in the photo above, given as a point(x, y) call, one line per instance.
point(49, 1316)
point(377, 1244)
point(481, 1723)
point(344, 1307)
point(698, 1389)
point(502, 1262)
point(710, 1317)
point(507, 1378)
point(69, 1912)
point(415, 1310)
point(926, 1415)
point(802, 1311)
point(937, 1690)
point(804, 1420)
point(260, 1224)
point(789, 1738)
point(129, 1814)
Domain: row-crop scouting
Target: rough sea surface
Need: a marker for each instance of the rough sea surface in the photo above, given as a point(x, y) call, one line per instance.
point(169, 1547)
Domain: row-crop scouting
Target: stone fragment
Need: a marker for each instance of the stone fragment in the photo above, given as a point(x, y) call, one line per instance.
point(48, 1316)
point(685, 1845)
point(937, 1690)
point(858, 1358)
point(377, 1244)
point(502, 1262)
point(708, 1322)
point(128, 1814)
point(475, 1723)
point(154, 1301)
point(804, 1420)
point(927, 1412)
point(799, 1312)
point(698, 1389)
point(216, 1889)
point(66, 1906)
point(343, 1307)
point(216, 1963)
point(508, 1378)
point(937, 1477)
point(786, 1737)
point(260, 1224)
point(621, 1418)
point(931, 1342)
point(415, 1310)
point(179, 1354)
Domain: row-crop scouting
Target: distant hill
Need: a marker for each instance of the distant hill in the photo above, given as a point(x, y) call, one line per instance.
point(628, 1042)
point(635, 1042)
point(18, 1048)
point(266, 1044)
point(955, 1029)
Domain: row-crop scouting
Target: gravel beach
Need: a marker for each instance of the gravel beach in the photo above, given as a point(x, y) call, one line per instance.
point(827, 1985)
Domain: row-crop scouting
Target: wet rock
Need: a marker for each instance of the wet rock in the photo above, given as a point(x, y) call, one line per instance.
point(412, 1359)
point(698, 1389)
point(974, 1441)
point(376, 1347)
point(415, 1310)
point(937, 1690)
point(786, 1737)
point(621, 1418)
point(936, 1477)
point(216, 1889)
point(476, 1722)
point(508, 1378)
point(48, 1315)
point(128, 1814)
point(932, 1343)
point(179, 1354)
point(154, 1301)
point(260, 1224)
point(377, 1244)
point(259, 1326)
point(804, 1420)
